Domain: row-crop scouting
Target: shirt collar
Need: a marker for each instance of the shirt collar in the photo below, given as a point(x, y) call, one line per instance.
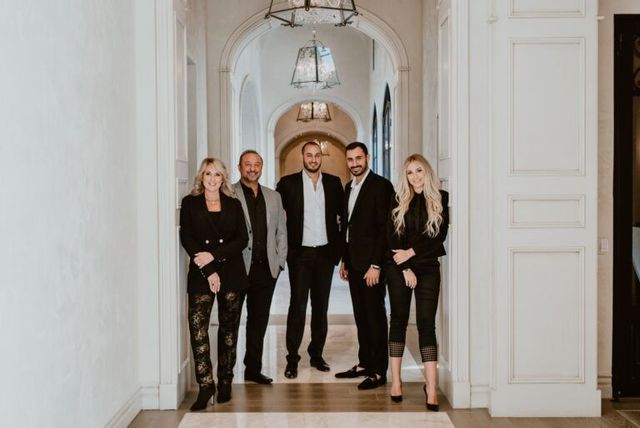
point(353, 182)
point(306, 177)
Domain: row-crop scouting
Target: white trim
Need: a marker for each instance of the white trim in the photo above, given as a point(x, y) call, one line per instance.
point(459, 258)
point(150, 397)
point(542, 13)
point(579, 213)
point(580, 363)
point(127, 413)
point(480, 396)
point(579, 42)
point(167, 250)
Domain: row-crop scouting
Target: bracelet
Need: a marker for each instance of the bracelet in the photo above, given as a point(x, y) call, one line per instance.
point(376, 267)
point(406, 270)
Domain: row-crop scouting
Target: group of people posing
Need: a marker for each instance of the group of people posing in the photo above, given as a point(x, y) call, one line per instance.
point(239, 236)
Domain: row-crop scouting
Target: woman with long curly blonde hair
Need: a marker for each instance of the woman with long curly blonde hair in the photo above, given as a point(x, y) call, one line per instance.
point(416, 231)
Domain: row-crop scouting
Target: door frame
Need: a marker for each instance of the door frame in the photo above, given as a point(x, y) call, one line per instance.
point(622, 207)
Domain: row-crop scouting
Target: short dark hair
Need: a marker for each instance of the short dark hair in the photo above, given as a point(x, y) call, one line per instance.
point(310, 143)
point(249, 152)
point(355, 145)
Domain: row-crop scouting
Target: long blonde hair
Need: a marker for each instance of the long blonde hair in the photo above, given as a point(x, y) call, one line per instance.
point(430, 193)
point(218, 165)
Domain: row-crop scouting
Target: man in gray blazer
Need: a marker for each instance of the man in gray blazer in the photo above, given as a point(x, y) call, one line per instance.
point(264, 257)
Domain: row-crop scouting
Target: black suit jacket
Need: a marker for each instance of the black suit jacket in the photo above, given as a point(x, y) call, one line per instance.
point(225, 241)
point(291, 190)
point(366, 226)
point(427, 248)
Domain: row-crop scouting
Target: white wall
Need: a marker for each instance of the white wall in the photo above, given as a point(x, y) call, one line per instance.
point(605, 182)
point(68, 297)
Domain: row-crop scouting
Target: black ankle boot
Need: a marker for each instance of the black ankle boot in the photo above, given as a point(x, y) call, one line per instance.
point(224, 392)
point(205, 393)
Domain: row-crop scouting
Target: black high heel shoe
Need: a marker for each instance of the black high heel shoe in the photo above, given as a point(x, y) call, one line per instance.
point(432, 407)
point(204, 395)
point(224, 392)
point(396, 398)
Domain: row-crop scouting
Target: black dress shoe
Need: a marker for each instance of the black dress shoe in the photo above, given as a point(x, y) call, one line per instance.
point(353, 372)
point(432, 407)
point(205, 393)
point(396, 398)
point(372, 382)
point(224, 392)
point(320, 364)
point(291, 371)
point(257, 378)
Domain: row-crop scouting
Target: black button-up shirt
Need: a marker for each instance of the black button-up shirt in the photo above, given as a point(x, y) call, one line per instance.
point(258, 218)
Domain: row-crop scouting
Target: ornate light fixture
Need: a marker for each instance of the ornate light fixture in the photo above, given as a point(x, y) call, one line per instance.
point(314, 67)
point(314, 110)
point(298, 12)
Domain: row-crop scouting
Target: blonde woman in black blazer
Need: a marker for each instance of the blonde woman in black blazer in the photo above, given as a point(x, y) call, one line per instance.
point(416, 231)
point(213, 233)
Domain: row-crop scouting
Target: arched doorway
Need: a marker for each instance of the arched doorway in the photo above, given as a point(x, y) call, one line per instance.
point(367, 23)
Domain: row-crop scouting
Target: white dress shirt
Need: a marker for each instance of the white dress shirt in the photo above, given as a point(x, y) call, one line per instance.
point(353, 195)
point(314, 229)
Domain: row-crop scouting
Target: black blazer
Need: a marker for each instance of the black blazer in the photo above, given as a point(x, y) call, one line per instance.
point(367, 223)
point(290, 188)
point(427, 248)
point(225, 241)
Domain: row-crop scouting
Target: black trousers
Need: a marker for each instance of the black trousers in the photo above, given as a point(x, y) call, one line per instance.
point(426, 294)
point(259, 296)
point(310, 275)
point(370, 315)
point(229, 306)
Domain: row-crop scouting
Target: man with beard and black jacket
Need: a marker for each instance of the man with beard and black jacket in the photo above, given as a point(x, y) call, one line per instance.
point(313, 203)
point(367, 203)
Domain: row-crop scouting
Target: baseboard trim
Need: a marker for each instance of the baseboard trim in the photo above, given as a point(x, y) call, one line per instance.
point(480, 396)
point(127, 413)
point(150, 397)
point(605, 386)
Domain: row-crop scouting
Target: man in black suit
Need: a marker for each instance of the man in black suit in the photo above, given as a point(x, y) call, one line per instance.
point(313, 203)
point(264, 256)
point(367, 202)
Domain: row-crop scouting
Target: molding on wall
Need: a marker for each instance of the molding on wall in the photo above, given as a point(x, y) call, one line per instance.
point(580, 214)
point(580, 378)
point(127, 413)
point(480, 396)
point(604, 385)
point(579, 42)
point(546, 13)
point(150, 397)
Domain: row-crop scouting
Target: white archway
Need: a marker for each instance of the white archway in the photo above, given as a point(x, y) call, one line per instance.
point(270, 153)
point(369, 24)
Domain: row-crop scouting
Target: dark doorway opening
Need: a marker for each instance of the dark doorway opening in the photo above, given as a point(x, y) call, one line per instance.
point(626, 209)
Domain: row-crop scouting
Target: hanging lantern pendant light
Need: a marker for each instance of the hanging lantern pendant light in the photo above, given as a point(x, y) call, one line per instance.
point(315, 67)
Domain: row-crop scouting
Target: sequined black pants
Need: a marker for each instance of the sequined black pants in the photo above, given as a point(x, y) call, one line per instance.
point(229, 308)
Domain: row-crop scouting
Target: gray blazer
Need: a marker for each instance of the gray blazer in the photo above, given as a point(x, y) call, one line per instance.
point(276, 229)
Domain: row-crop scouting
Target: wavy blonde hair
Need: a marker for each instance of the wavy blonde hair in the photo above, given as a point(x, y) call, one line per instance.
point(218, 166)
point(430, 193)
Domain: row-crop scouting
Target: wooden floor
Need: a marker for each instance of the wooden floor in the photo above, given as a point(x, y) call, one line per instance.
point(329, 397)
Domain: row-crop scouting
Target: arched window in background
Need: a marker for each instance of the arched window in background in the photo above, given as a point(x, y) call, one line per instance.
point(386, 135)
point(374, 140)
